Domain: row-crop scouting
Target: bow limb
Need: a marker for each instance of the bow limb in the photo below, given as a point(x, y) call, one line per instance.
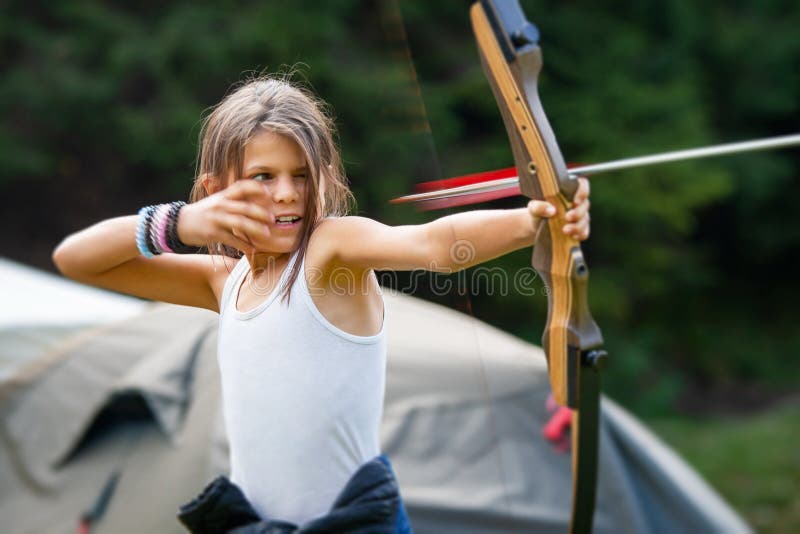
point(511, 60)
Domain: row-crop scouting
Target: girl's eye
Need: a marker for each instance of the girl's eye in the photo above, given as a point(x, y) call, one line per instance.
point(301, 176)
point(262, 177)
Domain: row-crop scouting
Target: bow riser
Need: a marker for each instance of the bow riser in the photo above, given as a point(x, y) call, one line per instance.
point(511, 60)
point(557, 257)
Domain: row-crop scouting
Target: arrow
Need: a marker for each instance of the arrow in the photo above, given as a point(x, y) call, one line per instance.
point(491, 185)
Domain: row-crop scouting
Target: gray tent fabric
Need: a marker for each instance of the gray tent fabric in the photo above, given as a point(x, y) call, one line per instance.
point(49, 416)
point(56, 459)
point(465, 405)
point(41, 309)
point(467, 464)
point(659, 467)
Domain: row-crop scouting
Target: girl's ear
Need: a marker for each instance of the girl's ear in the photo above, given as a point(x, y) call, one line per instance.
point(211, 183)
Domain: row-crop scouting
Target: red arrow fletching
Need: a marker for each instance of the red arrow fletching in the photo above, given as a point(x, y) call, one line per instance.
point(463, 198)
point(467, 179)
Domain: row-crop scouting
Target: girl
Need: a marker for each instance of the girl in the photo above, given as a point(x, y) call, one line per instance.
point(302, 335)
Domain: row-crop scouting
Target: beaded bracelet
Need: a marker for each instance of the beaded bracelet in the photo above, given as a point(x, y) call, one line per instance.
point(173, 241)
point(160, 227)
point(148, 231)
point(141, 228)
point(157, 230)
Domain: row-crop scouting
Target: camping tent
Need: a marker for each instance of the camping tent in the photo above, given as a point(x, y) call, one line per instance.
point(40, 309)
point(137, 402)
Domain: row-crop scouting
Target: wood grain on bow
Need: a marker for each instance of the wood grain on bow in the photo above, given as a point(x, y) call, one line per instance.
point(512, 59)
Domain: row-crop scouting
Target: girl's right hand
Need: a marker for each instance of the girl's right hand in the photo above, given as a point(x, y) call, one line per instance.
point(235, 216)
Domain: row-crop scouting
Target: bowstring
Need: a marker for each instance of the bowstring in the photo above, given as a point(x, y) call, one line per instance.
point(393, 20)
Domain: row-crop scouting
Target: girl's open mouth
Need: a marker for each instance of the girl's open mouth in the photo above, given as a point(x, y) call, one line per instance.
point(287, 221)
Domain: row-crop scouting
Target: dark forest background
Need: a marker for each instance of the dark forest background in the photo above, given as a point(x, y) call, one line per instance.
point(693, 264)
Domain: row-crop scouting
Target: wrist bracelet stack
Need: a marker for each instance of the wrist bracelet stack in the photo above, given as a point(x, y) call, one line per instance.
point(157, 230)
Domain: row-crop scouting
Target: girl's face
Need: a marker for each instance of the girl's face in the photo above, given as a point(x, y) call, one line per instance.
point(278, 162)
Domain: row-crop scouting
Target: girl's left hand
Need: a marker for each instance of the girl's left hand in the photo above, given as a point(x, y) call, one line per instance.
point(577, 217)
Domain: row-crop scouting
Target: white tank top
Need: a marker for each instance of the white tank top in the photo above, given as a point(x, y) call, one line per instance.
point(302, 399)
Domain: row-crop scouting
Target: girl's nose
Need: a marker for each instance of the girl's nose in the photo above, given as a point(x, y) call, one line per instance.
point(284, 189)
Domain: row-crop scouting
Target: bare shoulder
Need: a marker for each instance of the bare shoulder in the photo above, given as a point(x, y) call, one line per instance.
point(363, 244)
point(346, 293)
point(333, 236)
point(346, 226)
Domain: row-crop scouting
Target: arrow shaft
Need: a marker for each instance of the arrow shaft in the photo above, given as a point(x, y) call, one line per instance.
point(692, 153)
point(615, 165)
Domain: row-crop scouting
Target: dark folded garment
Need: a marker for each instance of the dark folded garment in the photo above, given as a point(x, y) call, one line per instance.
point(220, 507)
point(369, 503)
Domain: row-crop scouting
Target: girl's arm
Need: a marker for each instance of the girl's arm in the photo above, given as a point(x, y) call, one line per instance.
point(105, 254)
point(447, 244)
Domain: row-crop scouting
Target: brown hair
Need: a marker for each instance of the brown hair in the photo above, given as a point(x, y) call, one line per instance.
point(275, 104)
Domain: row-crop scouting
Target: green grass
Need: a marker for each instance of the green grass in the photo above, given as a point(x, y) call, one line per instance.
point(753, 461)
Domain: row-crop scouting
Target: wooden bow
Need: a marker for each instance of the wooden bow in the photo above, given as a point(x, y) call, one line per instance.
point(511, 60)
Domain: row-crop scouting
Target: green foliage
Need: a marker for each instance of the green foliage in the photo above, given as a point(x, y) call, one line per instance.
point(622, 80)
point(100, 104)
